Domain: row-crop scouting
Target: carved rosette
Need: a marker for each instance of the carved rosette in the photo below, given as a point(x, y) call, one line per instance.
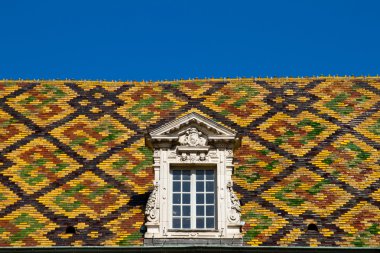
point(235, 209)
point(152, 206)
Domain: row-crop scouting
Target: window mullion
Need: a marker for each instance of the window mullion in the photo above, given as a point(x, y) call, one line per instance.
point(193, 199)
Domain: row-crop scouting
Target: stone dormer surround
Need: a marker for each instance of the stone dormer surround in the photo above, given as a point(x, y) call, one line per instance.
point(193, 141)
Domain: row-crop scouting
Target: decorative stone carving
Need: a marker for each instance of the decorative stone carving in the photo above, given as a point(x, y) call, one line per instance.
point(151, 210)
point(234, 214)
point(192, 137)
point(193, 157)
point(229, 153)
point(172, 154)
point(183, 157)
point(192, 142)
point(213, 153)
point(192, 146)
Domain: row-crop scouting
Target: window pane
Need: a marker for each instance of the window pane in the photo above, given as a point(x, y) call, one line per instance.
point(209, 174)
point(210, 186)
point(200, 198)
point(176, 211)
point(200, 222)
point(209, 210)
point(200, 210)
point(209, 198)
point(186, 199)
point(200, 187)
point(186, 174)
point(185, 222)
point(176, 198)
point(176, 175)
point(176, 223)
point(185, 210)
point(200, 174)
point(176, 186)
point(209, 222)
point(186, 187)
point(183, 201)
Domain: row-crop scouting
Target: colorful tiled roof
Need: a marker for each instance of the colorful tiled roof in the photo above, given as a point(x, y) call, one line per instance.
point(72, 153)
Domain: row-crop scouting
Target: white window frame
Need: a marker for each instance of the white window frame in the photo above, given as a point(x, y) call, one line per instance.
point(193, 203)
point(192, 141)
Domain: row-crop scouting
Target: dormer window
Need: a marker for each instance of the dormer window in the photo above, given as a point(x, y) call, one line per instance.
point(193, 195)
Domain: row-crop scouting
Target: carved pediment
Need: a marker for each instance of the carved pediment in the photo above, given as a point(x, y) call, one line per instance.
point(192, 130)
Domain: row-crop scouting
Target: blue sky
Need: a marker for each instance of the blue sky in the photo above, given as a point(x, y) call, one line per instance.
point(156, 40)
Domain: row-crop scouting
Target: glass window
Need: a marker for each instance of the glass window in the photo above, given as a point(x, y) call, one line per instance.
point(205, 199)
point(193, 199)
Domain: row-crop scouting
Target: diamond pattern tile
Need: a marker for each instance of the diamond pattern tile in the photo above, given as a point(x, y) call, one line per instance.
point(87, 194)
point(351, 160)
point(344, 100)
point(90, 138)
point(296, 135)
point(11, 130)
point(362, 226)
point(38, 164)
point(240, 101)
point(304, 191)
point(72, 153)
point(45, 103)
point(7, 87)
point(132, 166)
point(256, 164)
point(25, 227)
point(370, 128)
point(120, 227)
point(194, 89)
point(261, 223)
point(146, 104)
point(7, 197)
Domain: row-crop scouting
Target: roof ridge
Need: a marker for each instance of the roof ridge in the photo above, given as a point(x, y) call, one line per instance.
point(192, 79)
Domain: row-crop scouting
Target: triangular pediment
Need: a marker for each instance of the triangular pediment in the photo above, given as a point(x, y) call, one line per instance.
point(192, 122)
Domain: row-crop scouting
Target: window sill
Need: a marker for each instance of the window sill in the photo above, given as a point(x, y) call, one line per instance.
point(193, 230)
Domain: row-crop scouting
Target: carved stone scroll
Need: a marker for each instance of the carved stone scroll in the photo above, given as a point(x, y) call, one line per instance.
point(151, 210)
point(235, 210)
